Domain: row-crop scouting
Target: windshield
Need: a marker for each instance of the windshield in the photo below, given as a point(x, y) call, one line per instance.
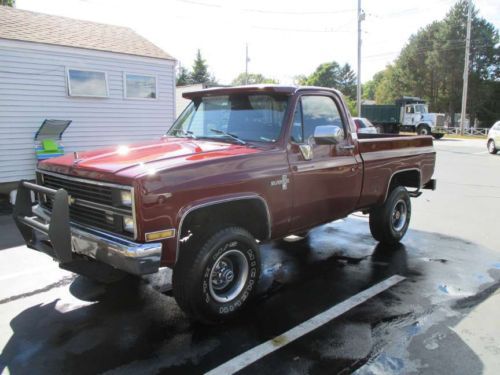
point(246, 117)
point(420, 108)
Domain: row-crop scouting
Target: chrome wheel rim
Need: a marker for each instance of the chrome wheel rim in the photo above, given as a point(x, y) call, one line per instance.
point(228, 276)
point(399, 214)
point(491, 146)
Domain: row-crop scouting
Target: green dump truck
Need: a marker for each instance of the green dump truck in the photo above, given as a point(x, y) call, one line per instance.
point(408, 113)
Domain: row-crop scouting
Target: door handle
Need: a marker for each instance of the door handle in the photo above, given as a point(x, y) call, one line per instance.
point(347, 147)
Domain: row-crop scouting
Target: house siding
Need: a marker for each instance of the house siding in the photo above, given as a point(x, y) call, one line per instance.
point(33, 87)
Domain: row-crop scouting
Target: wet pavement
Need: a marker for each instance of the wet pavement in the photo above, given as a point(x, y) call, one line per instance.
point(71, 325)
point(442, 319)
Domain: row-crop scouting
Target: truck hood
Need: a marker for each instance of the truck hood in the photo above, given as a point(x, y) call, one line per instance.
point(130, 161)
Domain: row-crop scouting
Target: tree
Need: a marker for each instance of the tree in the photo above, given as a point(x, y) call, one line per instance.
point(183, 77)
point(300, 79)
point(200, 70)
point(253, 79)
point(370, 87)
point(351, 104)
point(431, 66)
point(333, 75)
point(8, 3)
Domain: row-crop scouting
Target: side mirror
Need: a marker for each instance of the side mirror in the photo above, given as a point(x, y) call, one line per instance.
point(328, 134)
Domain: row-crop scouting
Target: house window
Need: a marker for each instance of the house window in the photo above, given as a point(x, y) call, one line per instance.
point(87, 83)
point(139, 86)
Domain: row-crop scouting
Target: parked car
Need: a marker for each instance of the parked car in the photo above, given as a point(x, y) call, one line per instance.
point(240, 166)
point(363, 125)
point(493, 142)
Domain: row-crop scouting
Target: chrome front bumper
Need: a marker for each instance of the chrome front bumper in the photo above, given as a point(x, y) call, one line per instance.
point(53, 234)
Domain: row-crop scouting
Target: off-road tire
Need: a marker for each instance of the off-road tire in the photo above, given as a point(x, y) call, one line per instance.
point(492, 149)
point(383, 218)
point(192, 280)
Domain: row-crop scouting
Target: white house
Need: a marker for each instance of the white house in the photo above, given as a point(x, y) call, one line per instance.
point(180, 102)
point(115, 86)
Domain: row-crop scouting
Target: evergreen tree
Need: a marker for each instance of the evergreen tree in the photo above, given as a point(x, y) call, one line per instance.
point(431, 66)
point(200, 70)
point(183, 77)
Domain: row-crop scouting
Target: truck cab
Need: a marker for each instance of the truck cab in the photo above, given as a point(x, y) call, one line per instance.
point(412, 114)
point(415, 117)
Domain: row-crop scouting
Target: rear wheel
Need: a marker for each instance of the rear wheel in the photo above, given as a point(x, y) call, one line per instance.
point(492, 148)
point(215, 278)
point(437, 135)
point(389, 222)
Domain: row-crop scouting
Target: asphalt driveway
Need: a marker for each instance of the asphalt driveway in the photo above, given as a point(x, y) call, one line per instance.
point(439, 319)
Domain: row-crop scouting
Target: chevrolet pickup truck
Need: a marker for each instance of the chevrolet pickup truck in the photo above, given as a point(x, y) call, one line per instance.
point(240, 166)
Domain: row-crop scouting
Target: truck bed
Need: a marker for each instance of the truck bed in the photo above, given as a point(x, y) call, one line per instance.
point(384, 154)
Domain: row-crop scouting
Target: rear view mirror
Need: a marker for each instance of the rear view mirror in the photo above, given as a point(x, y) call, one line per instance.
point(328, 134)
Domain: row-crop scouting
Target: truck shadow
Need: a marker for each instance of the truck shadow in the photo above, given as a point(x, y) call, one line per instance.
point(133, 328)
point(10, 236)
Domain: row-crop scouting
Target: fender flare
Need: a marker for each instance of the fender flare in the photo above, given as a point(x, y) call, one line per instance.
point(213, 201)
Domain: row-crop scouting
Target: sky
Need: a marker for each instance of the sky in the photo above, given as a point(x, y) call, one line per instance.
point(285, 38)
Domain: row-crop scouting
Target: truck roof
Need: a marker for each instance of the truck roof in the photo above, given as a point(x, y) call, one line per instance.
point(254, 89)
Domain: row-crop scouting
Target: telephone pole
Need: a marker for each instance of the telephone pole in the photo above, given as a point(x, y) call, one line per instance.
point(361, 17)
point(466, 69)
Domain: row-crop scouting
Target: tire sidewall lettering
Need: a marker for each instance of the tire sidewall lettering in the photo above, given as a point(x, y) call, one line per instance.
point(237, 303)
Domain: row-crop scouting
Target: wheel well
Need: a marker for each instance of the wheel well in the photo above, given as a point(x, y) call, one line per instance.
point(410, 178)
point(250, 214)
point(422, 124)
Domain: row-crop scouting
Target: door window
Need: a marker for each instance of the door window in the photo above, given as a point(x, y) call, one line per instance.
point(313, 111)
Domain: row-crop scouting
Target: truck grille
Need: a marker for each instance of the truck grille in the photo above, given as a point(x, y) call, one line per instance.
point(106, 219)
point(82, 190)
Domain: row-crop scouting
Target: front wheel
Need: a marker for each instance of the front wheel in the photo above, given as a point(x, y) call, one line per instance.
point(389, 222)
point(423, 130)
point(437, 135)
point(213, 280)
point(492, 148)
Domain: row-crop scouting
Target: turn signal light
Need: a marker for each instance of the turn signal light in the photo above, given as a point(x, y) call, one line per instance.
point(160, 235)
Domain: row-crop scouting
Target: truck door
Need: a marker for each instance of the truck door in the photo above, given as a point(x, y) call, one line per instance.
point(326, 179)
point(409, 117)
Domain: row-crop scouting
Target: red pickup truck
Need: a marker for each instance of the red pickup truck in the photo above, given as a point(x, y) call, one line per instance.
point(240, 166)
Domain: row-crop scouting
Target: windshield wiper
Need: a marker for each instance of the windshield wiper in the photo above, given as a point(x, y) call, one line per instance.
point(187, 133)
point(229, 135)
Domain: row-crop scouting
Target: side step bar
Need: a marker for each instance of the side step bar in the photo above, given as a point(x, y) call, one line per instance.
point(430, 185)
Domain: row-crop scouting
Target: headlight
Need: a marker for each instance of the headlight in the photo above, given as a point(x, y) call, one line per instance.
point(128, 224)
point(126, 198)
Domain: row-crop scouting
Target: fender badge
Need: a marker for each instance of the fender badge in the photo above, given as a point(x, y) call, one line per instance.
point(283, 182)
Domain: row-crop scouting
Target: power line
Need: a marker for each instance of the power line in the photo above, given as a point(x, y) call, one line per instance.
point(193, 2)
point(325, 30)
point(299, 13)
point(269, 11)
point(409, 10)
point(421, 51)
